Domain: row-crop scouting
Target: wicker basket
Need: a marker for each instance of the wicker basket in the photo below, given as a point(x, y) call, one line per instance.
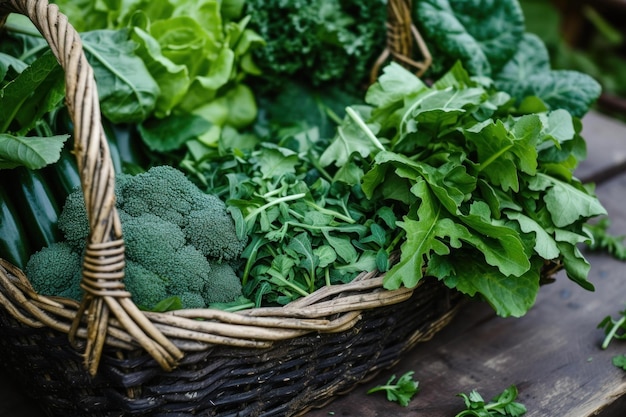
point(105, 357)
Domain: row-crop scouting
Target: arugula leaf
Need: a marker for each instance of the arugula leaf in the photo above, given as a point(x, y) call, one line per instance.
point(603, 241)
point(619, 361)
point(613, 328)
point(401, 391)
point(502, 405)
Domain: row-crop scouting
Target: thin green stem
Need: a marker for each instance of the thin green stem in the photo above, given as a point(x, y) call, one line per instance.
point(611, 334)
point(370, 135)
point(264, 207)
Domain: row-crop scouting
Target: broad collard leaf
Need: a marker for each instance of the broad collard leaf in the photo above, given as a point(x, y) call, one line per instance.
point(38, 89)
point(127, 91)
point(483, 35)
point(529, 73)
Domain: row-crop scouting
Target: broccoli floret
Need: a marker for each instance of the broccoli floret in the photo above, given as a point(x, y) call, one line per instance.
point(223, 285)
point(146, 287)
point(73, 220)
point(55, 270)
point(192, 300)
point(218, 238)
point(172, 231)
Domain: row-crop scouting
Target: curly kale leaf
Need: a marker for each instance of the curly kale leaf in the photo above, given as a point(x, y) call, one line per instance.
point(318, 41)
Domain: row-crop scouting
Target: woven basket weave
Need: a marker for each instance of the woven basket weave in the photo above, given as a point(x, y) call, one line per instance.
point(105, 357)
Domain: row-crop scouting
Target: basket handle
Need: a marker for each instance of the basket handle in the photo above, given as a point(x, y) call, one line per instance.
point(103, 263)
point(402, 35)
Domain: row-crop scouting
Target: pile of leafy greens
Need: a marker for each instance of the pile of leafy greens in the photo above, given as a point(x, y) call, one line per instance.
point(176, 68)
point(490, 39)
point(473, 189)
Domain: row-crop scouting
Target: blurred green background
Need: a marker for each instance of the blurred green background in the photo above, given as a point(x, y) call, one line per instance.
point(588, 36)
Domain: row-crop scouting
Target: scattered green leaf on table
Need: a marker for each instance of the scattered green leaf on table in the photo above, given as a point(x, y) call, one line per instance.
point(502, 405)
point(400, 391)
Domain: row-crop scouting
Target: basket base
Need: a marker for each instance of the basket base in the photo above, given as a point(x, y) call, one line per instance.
point(286, 379)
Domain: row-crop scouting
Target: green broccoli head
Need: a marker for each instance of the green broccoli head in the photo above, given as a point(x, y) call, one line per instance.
point(56, 270)
point(212, 231)
point(222, 285)
point(171, 230)
point(73, 220)
point(146, 287)
point(162, 190)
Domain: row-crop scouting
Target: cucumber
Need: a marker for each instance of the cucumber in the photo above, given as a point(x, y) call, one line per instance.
point(14, 245)
point(36, 206)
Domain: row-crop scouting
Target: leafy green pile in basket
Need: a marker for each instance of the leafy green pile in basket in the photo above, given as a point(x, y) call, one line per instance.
point(478, 192)
point(175, 67)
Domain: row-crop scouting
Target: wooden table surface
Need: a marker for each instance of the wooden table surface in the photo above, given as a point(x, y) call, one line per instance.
point(552, 354)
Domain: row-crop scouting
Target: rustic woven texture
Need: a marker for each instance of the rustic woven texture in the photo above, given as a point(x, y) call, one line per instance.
point(404, 42)
point(285, 379)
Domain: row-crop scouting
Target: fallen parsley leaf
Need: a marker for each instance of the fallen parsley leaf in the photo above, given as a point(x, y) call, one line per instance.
point(501, 405)
point(401, 391)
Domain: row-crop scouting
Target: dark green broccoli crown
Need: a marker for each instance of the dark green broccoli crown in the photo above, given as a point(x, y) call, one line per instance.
point(55, 270)
point(146, 287)
point(73, 220)
point(223, 285)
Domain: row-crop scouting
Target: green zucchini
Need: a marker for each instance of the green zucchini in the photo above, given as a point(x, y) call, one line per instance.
point(36, 206)
point(63, 176)
point(14, 245)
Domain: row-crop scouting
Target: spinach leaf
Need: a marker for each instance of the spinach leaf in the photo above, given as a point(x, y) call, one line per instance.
point(482, 35)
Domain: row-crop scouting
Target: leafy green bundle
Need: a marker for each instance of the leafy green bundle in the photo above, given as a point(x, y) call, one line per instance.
point(474, 189)
point(486, 188)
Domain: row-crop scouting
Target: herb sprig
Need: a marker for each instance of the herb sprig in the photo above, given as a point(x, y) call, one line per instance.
point(400, 391)
point(502, 405)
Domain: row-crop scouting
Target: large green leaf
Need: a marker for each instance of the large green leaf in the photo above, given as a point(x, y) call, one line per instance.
point(38, 89)
point(483, 35)
point(127, 91)
point(31, 152)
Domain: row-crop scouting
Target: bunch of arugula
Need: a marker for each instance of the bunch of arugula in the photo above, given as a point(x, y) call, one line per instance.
point(485, 187)
point(473, 189)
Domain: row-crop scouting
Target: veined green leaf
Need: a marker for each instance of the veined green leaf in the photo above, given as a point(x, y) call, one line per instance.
point(127, 91)
point(31, 152)
point(545, 245)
